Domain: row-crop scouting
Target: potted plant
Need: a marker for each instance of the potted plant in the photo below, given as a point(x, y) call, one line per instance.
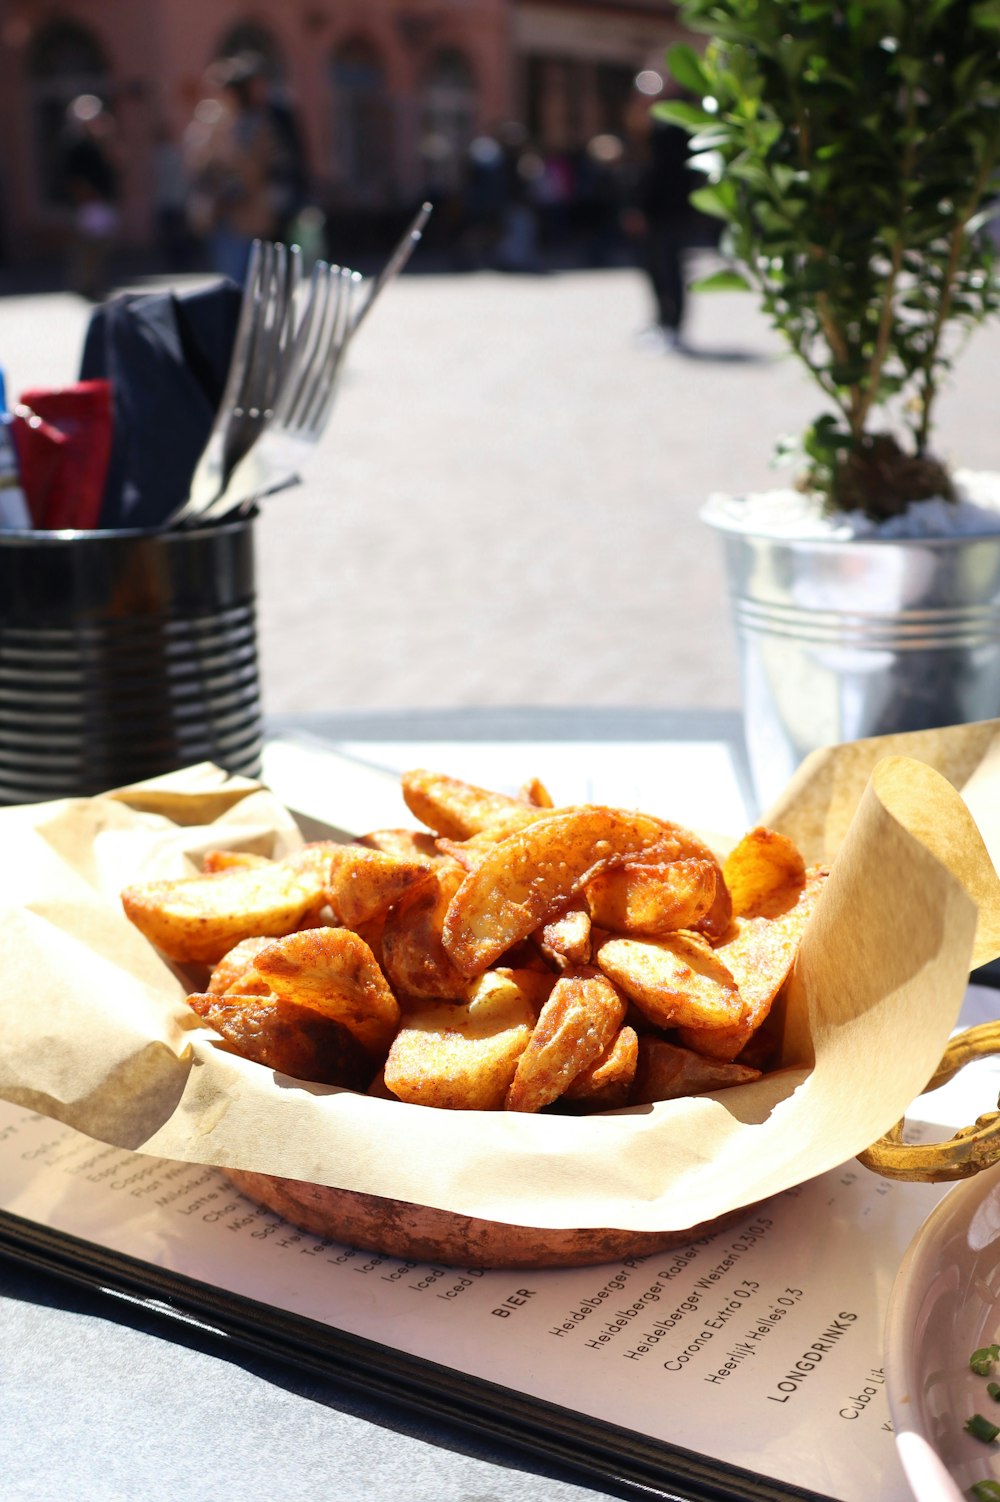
point(853, 152)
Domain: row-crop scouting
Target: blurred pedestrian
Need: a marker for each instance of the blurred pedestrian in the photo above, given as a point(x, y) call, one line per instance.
point(289, 173)
point(661, 218)
point(523, 167)
point(232, 152)
point(170, 194)
point(483, 198)
point(89, 177)
point(601, 197)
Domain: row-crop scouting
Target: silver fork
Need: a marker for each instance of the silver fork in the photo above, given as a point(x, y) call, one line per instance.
point(395, 263)
point(260, 351)
point(303, 405)
point(309, 377)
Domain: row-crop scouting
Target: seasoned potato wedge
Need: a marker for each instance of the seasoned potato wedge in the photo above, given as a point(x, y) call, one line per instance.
point(294, 1040)
point(462, 1057)
point(530, 875)
point(676, 981)
point(566, 939)
point(534, 791)
point(224, 860)
point(198, 919)
point(651, 900)
point(235, 971)
point(404, 844)
point(764, 873)
point(759, 955)
point(333, 971)
point(460, 809)
point(665, 1072)
point(364, 884)
point(606, 1085)
point(372, 932)
point(468, 853)
point(413, 954)
point(575, 1026)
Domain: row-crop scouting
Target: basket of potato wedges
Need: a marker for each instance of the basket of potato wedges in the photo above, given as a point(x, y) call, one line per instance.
point(494, 1031)
point(506, 955)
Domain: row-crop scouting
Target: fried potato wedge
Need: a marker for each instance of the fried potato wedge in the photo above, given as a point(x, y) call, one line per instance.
point(404, 844)
point(294, 1040)
point(460, 809)
point(198, 919)
point(764, 873)
point(462, 1057)
point(759, 955)
point(606, 1085)
point(566, 939)
point(364, 884)
point(652, 900)
point(371, 933)
point(235, 971)
point(529, 876)
point(715, 924)
point(413, 954)
point(468, 853)
point(534, 791)
point(224, 860)
point(676, 981)
point(666, 1072)
point(574, 1028)
point(333, 971)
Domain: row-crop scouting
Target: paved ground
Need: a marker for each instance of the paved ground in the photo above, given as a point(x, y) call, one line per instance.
point(504, 509)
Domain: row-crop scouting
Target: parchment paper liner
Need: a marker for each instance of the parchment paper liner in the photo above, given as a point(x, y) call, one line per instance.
point(96, 1032)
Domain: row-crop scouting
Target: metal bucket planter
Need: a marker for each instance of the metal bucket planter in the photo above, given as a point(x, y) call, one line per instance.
point(840, 640)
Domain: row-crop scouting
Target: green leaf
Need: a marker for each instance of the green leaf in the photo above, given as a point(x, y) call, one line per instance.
point(714, 200)
point(964, 71)
point(722, 281)
point(708, 140)
point(691, 116)
point(819, 10)
point(686, 66)
point(911, 69)
point(986, 15)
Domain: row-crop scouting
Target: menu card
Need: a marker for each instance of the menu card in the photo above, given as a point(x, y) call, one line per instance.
point(758, 1347)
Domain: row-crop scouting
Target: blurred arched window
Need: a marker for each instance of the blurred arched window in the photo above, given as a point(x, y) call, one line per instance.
point(64, 61)
point(362, 143)
point(247, 37)
point(448, 119)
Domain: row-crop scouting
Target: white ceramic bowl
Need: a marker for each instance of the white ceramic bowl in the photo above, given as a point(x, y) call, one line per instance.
point(945, 1304)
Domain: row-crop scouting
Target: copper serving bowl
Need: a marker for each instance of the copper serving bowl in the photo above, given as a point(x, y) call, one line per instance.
point(418, 1233)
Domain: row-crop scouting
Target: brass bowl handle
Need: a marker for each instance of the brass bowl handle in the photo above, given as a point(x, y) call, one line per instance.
point(958, 1157)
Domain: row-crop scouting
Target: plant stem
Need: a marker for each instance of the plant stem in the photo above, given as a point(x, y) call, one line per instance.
point(929, 388)
point(828, 324)
point(868, 391)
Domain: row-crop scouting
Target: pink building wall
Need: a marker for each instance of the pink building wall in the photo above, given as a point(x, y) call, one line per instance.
point(157, 52)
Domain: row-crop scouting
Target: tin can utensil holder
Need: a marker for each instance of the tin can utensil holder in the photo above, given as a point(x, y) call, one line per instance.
point(124, 655)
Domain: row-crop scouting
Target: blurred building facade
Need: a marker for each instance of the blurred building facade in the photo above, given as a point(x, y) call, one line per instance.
point(389, 94)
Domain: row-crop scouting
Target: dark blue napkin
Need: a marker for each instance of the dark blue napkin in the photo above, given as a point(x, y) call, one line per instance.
point(166, 355)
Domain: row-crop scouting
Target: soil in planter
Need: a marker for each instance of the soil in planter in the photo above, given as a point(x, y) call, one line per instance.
point(881, 480)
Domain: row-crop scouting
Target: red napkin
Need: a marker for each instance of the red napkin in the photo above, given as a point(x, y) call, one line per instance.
point(64, 457)
point(39, 448)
